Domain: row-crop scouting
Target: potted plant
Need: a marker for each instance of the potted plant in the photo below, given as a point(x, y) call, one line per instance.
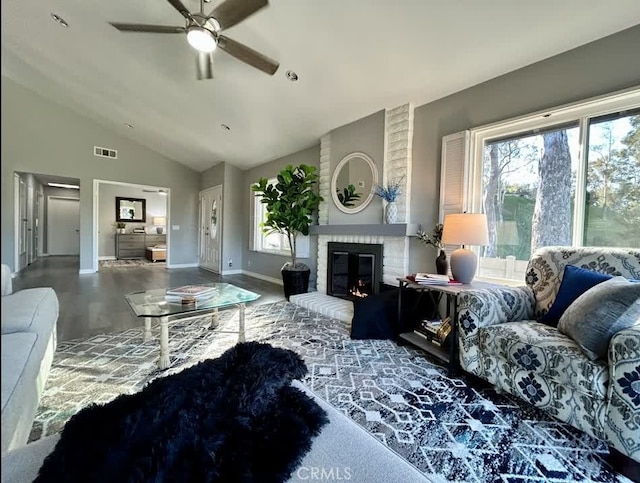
point(435, 239)
point(120, 226)
point(289, 205)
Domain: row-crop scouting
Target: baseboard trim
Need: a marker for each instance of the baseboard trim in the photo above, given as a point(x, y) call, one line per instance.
point(182, 265)
point(107, 258)
point(231, 272)
point(86, 271)
point(277, 281)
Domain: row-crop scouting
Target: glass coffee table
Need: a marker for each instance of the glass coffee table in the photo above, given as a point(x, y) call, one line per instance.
point(151, 304)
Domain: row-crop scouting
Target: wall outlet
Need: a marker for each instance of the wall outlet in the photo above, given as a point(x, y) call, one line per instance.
point(249, 263)
point(230, 262)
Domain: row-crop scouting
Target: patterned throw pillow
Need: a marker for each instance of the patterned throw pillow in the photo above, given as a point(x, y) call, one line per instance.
point(601, 312)
point(575, 282)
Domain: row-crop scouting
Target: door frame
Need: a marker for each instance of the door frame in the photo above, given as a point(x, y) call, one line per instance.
point(96, 204)
point(16, 222)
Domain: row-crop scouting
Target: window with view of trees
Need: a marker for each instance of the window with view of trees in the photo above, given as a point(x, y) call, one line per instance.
point(575, 181)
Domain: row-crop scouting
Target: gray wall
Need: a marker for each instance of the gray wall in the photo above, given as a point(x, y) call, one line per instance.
point(40, 136)
point(213, 176)
point(265, 263)
point(235, 223)
point(601, 67)
point(365, 135)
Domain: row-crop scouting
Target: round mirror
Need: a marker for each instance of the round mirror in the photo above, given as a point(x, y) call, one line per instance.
point(353, 181)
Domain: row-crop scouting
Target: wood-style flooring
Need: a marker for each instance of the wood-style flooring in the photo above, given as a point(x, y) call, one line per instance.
point(94, 303)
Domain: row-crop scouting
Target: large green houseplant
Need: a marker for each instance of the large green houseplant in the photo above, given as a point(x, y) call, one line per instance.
point(290, 204)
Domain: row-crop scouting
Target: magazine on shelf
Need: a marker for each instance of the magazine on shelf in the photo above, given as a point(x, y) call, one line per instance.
point(191, 291)
point(430, 326)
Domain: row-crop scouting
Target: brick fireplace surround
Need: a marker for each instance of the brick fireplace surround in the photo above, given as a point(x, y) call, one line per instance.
point(398, 137)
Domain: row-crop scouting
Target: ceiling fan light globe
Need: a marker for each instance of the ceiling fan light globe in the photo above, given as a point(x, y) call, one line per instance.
point(201, 39)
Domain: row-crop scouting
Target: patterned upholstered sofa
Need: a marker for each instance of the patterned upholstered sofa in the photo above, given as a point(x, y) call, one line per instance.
point(501, 342)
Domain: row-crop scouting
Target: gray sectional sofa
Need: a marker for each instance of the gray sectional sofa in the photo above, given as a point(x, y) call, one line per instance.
point(29, 319)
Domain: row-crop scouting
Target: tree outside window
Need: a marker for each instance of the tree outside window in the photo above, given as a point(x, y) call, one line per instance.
point(530, 191)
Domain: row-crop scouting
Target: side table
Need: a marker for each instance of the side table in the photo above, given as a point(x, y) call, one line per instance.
point(451, 292)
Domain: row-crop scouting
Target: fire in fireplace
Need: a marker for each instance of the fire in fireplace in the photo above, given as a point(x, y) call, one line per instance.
point(355, 269)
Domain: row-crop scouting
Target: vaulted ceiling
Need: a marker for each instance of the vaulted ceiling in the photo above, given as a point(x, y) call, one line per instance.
point(352, 57)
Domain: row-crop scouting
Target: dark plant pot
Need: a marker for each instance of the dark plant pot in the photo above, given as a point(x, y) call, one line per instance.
point(295, 281)
point(442, 265)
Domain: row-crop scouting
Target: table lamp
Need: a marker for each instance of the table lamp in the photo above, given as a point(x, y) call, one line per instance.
point(464, 229)
point(160, 221)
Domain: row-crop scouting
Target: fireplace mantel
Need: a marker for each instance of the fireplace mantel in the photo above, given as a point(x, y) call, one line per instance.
point(396, 229)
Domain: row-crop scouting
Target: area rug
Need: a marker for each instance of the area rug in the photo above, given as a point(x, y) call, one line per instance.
point(217, 421)
point(128, 263)
point(450, 428)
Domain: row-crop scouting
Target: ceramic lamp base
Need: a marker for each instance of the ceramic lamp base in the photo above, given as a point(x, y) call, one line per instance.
point(463, 265)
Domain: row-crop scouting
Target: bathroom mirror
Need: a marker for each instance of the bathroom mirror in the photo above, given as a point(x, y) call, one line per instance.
point(131, 209)
point(353, 181)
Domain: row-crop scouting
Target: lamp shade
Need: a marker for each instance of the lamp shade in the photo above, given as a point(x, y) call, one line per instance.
point(159, 220)
point(465, 229)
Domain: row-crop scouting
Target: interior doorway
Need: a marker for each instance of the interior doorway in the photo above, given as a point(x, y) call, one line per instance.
point(31, 210)
point(155, 219)
point(63, 226)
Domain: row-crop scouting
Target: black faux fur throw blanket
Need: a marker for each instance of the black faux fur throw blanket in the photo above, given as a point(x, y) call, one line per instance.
point(231, 419)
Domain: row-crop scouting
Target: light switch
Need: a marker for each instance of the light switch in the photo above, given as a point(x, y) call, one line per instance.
point(175, 227)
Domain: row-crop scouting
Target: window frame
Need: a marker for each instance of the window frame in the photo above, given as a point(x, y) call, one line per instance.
point(581, 112)
point(257, 236)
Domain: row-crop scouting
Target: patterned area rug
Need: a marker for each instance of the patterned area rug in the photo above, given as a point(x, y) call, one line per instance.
point(449, 428)
point(132, 262)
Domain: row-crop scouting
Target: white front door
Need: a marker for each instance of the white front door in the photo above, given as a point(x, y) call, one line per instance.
point(63, 226)
point(210, 229)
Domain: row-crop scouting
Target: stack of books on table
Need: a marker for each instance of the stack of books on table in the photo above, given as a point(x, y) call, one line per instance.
point(431, 279)
point(190, 294)
point(428, 329)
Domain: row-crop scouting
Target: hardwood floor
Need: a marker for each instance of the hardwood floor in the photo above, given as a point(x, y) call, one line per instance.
point(94, 303)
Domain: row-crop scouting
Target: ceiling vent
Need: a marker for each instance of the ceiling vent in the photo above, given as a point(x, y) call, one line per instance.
point(105, 153)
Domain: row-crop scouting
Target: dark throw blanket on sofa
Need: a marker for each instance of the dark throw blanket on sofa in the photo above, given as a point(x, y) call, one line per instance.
point(235, 418)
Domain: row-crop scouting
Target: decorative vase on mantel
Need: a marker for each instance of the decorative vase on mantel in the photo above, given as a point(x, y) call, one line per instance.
point(390, 212)
point(442, 264)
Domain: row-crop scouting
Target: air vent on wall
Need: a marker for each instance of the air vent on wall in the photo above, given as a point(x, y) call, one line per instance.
point(104, 152)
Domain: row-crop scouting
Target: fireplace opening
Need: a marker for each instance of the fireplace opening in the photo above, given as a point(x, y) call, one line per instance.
point(355, 269)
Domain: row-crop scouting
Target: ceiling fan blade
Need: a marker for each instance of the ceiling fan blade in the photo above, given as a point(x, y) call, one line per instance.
point(248, 55)
point(177, 4)
point(154, 29)
point(204, 65)
point(231, 12)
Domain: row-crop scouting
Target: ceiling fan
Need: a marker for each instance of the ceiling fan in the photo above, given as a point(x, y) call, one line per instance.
point(203, 33)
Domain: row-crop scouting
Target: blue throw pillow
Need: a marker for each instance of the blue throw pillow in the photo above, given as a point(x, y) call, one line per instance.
point(575, 282)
